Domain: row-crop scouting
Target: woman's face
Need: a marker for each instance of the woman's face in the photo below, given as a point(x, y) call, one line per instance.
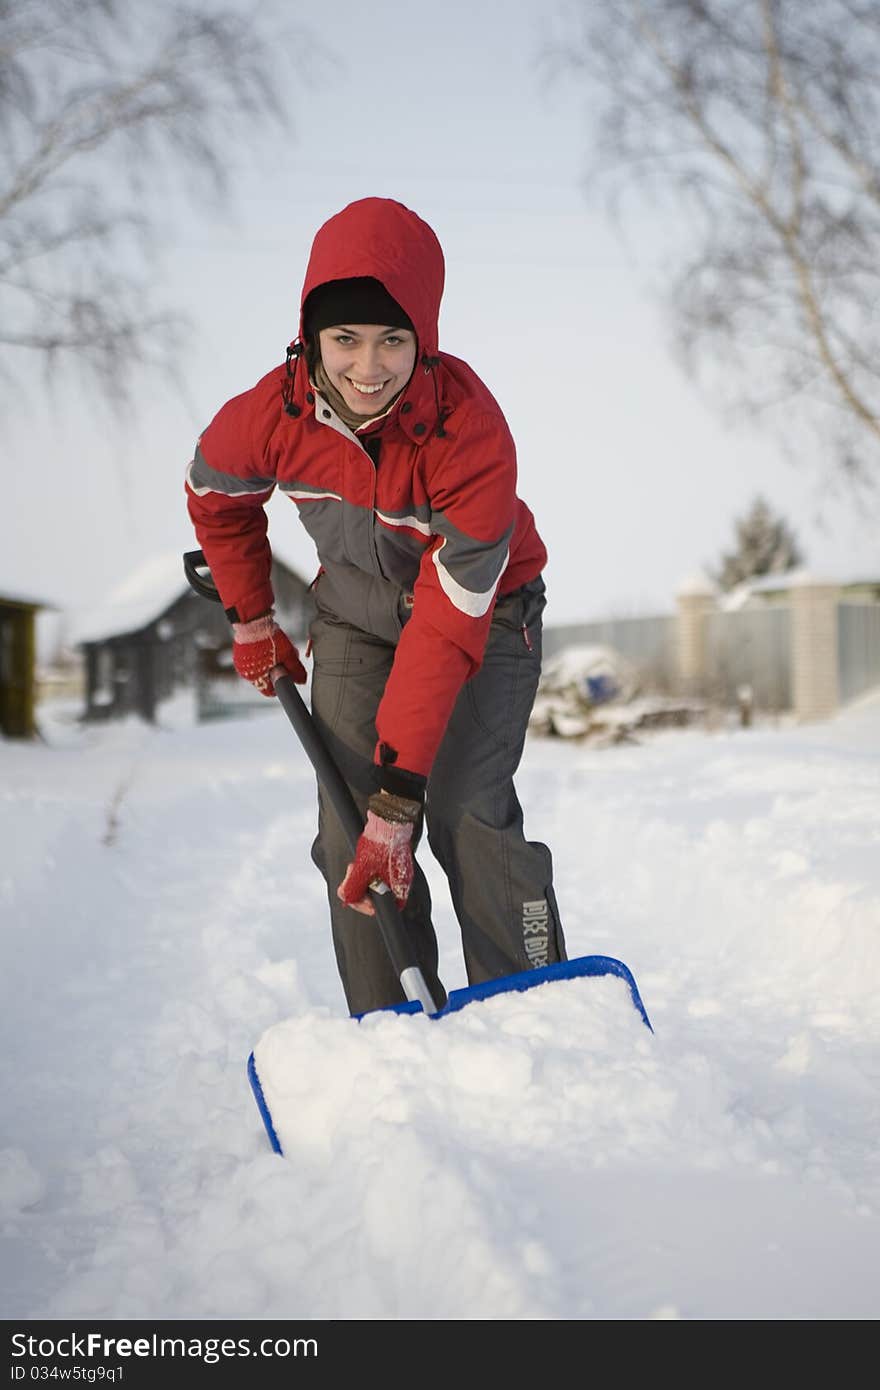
point(368, 364)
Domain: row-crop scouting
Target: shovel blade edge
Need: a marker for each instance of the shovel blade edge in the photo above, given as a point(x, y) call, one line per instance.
point(528, 979)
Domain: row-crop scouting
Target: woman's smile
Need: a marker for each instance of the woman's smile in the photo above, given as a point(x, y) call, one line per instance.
point(367, 363)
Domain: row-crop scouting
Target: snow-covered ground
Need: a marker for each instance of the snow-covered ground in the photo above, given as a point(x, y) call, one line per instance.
point(538, 1156)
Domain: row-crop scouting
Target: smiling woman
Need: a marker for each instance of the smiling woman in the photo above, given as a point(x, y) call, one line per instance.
point(427, 638)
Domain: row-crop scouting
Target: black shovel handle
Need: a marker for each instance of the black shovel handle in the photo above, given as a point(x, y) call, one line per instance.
point(318, 754)
point(394, 934)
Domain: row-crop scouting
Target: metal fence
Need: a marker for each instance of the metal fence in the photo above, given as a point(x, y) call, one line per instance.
point(750, 647)
point(647, 643)
point(858, 648)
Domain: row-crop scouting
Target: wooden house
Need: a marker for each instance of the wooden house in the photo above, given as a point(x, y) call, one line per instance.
point(155, 637)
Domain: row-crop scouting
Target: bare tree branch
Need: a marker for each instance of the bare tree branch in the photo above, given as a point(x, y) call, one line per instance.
point(758, 122)
point(102, 103)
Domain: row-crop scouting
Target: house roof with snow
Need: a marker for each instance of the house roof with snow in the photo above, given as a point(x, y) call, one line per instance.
point(141, 598)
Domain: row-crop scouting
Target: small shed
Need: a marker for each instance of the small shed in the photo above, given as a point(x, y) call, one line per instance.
point(154, 637)
point(18, 658)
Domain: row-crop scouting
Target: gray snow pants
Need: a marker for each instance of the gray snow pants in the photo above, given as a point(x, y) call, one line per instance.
point(501, 884)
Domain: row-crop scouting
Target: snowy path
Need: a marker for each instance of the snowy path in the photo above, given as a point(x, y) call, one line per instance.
point(540, 1156)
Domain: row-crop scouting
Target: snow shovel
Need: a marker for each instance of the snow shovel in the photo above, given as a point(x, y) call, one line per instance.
point(388, 917)
point(418, 996)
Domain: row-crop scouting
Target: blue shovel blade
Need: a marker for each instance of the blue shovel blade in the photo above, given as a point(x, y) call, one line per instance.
point(263, 1108)
point(459, 998)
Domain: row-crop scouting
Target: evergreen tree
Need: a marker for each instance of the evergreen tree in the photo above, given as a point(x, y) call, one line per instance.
point(764, 545)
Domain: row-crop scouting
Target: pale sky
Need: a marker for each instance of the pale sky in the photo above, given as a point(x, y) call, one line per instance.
point(633, 480)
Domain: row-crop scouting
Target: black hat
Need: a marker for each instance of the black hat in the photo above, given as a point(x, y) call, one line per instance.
point(358, 300)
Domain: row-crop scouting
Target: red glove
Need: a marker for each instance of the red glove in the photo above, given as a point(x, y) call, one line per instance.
point(259, 645)
point(383, 853)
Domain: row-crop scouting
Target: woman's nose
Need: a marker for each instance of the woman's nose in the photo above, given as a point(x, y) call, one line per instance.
point(368, 361)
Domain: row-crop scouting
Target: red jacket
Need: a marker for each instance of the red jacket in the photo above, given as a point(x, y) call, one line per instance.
point(438, 517)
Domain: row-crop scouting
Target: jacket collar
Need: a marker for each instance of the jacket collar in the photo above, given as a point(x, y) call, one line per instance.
point(414, 412)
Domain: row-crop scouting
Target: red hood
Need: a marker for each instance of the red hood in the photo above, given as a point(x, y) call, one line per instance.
point(384, 239)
